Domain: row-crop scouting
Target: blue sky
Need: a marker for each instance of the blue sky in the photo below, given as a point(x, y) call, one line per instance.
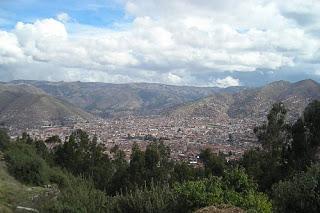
point(95, 12)
point(203, 43)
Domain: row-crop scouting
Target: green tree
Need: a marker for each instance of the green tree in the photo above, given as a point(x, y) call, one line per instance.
point(263, 167)
point(25, 164)
point(136, 169)
point(183, 172)
point(4, 139)
point(274, 135)
point(80, 155)
point(53, 140)
point(306, 137)
point(269, 165)
point(300, 193)
point(120, 178)
point(214, 164)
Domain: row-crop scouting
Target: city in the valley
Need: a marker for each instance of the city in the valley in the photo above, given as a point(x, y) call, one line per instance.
point(185, 137)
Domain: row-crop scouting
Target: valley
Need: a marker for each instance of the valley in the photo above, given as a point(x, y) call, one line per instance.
point(188, 120)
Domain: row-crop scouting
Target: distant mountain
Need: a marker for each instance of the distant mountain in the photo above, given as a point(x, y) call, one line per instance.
point(108, 100)
point(253, 103)
point(25, 106)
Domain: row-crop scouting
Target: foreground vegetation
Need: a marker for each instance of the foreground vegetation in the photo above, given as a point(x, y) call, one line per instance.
point(281, 176)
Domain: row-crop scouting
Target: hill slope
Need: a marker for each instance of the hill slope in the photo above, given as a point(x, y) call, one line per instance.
point(24, 106)
point(107, 100)
point(14, 195)
point(254, 103)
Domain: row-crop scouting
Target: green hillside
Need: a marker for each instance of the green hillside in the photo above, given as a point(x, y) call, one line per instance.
point(14, 196)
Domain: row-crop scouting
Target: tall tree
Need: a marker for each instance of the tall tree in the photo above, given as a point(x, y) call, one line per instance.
point(274, 134)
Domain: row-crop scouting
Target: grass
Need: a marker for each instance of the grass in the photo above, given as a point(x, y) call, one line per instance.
point(14, 193)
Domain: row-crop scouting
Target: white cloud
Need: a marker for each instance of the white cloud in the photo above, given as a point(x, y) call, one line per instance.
point(166, 36)
point(10, 51)
point(174, 79)
point(226, 82)
point(63, 17)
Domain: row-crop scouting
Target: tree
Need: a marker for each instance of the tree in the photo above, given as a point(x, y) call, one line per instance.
point(53, 140)
point(183, 172)
point(80, 155)
point(136, 169)
point(300, 151)
point(25, 164)
point(4, 139)
point(300, 193)
point(306, 138)
point(311, 118)
point(157, 163)
point(120, 176)
point(214, 164)
point(263, 167)
point(274, 135)
point(269, 165)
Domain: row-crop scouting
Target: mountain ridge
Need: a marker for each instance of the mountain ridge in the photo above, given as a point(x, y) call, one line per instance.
point(109, 100)
point(25, 106)
point(255, 103)
point(143, 99)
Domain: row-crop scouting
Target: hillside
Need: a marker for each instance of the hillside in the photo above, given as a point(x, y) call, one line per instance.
point(108, 100)
point(14, 196)
point(25, 106)
point(254, 103)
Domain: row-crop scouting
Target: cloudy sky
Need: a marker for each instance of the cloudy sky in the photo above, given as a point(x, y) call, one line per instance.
point(182, 42)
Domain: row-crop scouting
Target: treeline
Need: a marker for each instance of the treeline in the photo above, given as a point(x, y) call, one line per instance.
point(281, 176)
point(90, 181)
point(287, 166)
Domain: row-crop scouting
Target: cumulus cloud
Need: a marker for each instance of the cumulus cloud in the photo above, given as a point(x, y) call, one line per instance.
point(10, 51)
point(168, 41)
point(63, 17)
point(226, 82)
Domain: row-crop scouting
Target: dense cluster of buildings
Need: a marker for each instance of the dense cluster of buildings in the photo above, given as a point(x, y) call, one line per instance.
point(185, 137)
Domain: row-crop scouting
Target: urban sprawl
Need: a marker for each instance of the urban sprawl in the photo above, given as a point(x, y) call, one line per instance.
point(185, 137)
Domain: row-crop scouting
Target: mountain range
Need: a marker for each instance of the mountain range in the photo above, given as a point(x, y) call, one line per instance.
point(254, 103)
point(31, 103)
point(23, 105)
point(109, 100)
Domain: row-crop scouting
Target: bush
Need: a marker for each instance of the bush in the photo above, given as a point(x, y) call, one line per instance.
point(79, 196)
point(196, 194)
point(235, 188)
point(153, 199)
point(58, 177)
point(300, 193)
point(4, 139)
point(25, 165)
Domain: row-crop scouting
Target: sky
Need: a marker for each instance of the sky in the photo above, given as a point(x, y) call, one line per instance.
point(180, 42)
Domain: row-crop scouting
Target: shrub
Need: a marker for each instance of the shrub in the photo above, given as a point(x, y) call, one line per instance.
point(4, 139)
point(79, 196)
point(151, 199)
point(25, 165)
point(300, 193)
point(235, 188)
point(192, 195)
